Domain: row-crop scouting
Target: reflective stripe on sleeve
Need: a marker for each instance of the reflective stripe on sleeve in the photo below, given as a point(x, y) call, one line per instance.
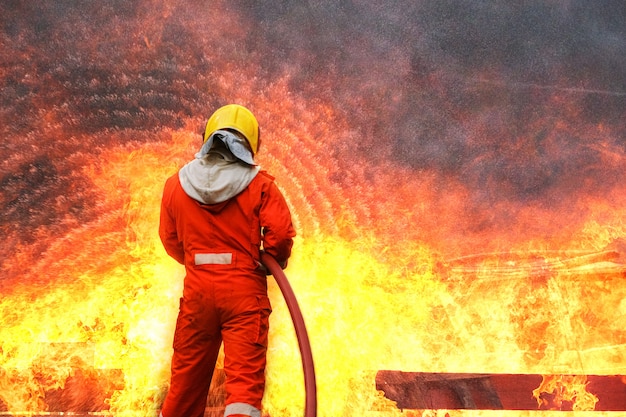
point(213, 258)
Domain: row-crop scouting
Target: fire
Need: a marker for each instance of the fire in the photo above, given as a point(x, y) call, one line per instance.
point(482, 248)
point(368, 306)
point(111, 308)
point(555, 390)
point(118, 302)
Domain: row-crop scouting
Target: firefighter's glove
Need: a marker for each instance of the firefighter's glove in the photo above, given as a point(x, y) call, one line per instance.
point(263, 269)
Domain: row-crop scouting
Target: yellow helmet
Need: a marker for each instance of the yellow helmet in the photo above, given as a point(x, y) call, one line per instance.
point(238, 118)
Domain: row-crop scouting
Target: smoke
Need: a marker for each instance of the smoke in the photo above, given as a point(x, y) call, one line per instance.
point(79, 77)
point(513, 100)
point(504, 93)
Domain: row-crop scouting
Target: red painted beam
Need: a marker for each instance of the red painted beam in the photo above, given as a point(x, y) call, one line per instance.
point(422, 390)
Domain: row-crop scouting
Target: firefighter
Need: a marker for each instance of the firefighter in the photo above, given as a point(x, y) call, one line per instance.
point(217, 214)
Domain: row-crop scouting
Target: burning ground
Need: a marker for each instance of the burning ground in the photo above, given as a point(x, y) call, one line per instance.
point(408, 139)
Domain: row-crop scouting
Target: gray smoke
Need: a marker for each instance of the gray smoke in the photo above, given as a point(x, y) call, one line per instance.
point(468, 88)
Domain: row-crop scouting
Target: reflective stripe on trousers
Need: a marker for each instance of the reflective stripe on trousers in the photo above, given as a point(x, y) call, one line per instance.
point(241, 408)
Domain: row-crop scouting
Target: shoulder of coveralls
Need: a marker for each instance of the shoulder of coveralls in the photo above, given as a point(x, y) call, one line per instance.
point(170, 184)
point(266, 174)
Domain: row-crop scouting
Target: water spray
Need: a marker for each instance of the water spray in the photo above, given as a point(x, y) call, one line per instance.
point(310, 389)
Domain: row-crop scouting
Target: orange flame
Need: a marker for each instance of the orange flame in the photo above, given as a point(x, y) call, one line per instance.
point(371, 263)
point(555, 390)
point(373, 300)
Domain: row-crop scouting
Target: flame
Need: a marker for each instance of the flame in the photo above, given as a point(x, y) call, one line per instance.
point(564, 388)
point(378, 268)
point(116, 293)
point(368, 306)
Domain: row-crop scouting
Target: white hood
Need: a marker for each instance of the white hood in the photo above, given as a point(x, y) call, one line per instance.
point(216, 176)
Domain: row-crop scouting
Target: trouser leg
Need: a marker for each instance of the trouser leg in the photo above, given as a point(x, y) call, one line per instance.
point(196, 347)
point(245, 347)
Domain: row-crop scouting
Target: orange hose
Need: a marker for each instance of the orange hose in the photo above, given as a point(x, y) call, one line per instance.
point(310, 389)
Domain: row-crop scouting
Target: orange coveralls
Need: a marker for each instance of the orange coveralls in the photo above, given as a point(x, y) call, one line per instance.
point(225, 291)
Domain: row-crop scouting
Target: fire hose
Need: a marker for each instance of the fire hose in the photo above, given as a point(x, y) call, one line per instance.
point(306, 354)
